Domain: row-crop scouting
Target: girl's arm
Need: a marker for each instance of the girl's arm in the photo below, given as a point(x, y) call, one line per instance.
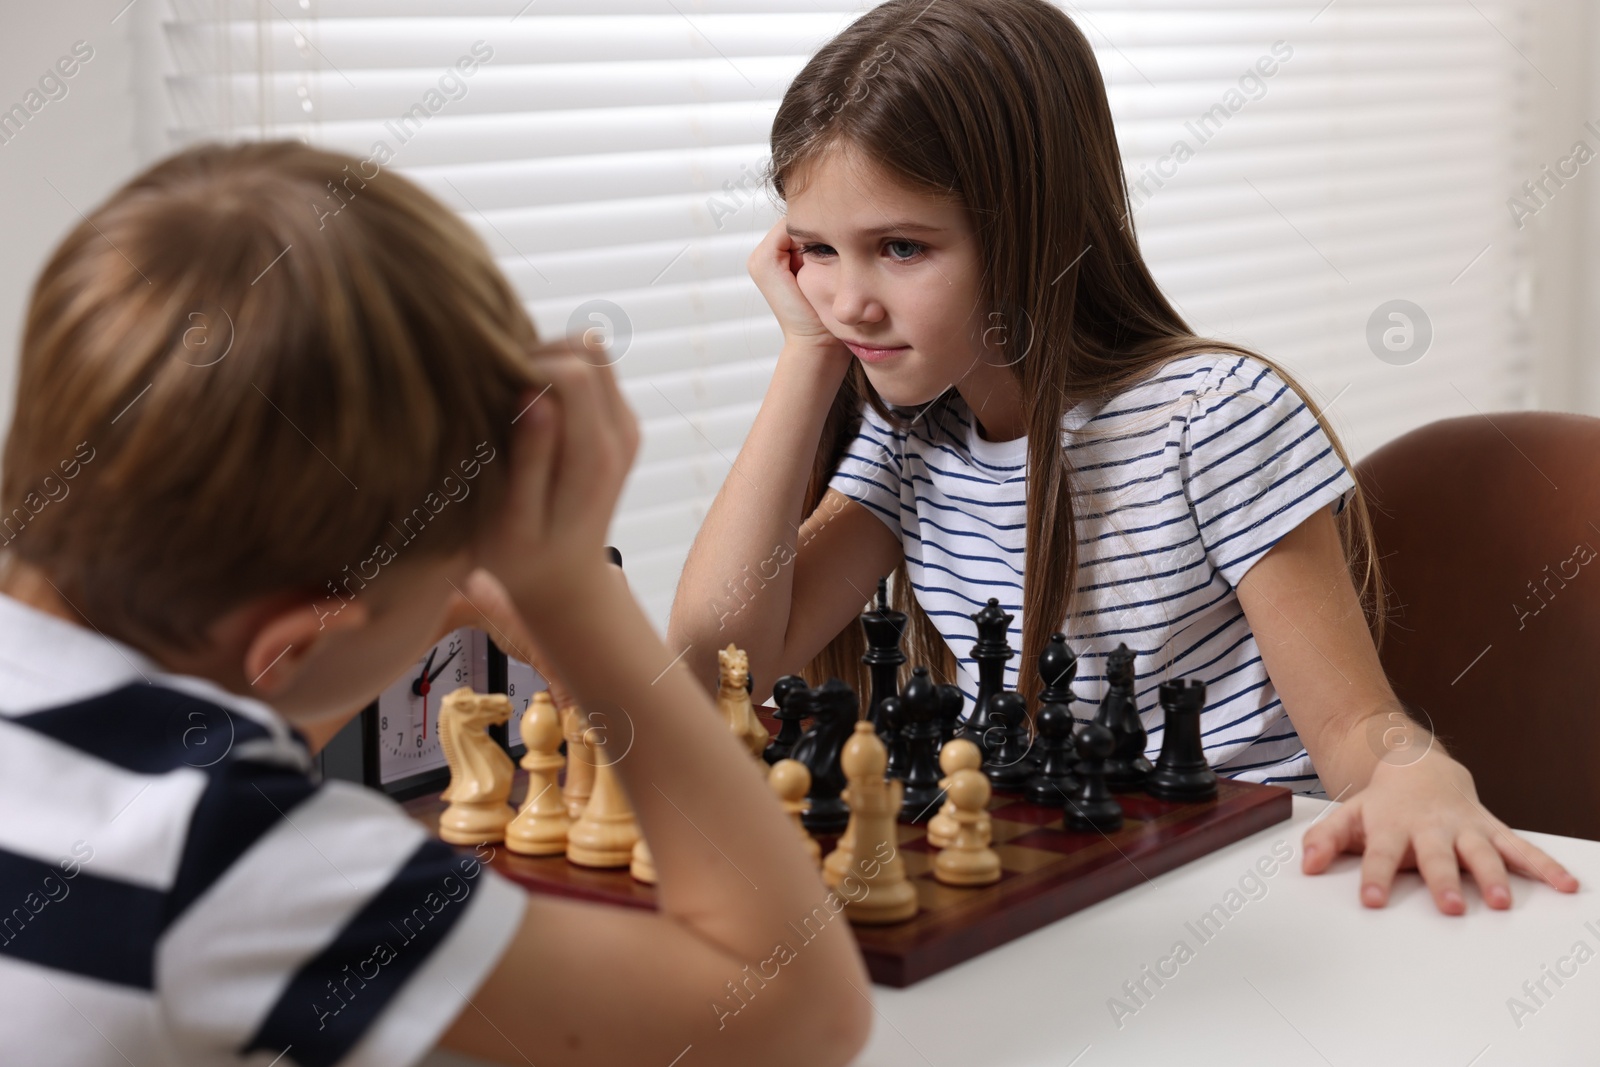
point(1407, 802)
point(751, 554)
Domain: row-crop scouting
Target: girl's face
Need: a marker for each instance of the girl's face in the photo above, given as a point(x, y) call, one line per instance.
point(888, 268)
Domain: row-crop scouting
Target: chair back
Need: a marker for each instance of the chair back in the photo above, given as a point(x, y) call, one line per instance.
point(1488, 529)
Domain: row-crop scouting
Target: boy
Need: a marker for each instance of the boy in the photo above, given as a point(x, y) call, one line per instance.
point(226, 397)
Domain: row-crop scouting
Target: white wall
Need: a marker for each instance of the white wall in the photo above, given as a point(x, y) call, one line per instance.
point(75, 149)
point(108, 126)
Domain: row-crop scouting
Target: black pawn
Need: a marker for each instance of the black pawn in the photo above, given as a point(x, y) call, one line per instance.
point(1007, 765)
point(834, 711)
point(790, 714)
point(1181, 772)
point(919, 718)
point(890, 721)
point(991, 652)
point(884, 628)
point(1054, 781)
point(1119, 712)
point(950, 704)
point(1058, 666)
point(1091, 806)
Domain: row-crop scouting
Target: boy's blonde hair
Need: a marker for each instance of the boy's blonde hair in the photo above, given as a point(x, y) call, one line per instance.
point(257, 368)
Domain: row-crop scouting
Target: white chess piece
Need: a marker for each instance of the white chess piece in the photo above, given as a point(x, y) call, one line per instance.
point(480, 770)
point(968, 860)
point(540, 828)
point(887, 895)
point(956, 755)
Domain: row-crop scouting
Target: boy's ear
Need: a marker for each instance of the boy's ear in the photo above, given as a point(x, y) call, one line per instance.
point(286, 634)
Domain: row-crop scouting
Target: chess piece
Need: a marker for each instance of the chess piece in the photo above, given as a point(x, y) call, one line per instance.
point(579, 781)
point(606, 832)
point(890, 732)
point(918, 711)
point(1007, 765)
point(1058, 666)
point(1054, 781)
point(991, 652)
point(480, 770)
point(887, 895)
point(1181, 772)
point(540, 828)
point(790, 714)
point(957, 755)
point(884, 628)
point(837, 863)
point(1091, 806)
point(733, 699)
point(833, 715)
point(791, 781)
point(641, 864)
point(968, 860)
point(950, 706)
point(1119, 712)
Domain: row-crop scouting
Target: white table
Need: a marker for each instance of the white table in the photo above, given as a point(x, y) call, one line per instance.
point(1303, 974)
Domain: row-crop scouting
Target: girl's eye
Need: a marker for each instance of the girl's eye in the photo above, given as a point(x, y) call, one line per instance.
point(816, 250)
point(899, 250)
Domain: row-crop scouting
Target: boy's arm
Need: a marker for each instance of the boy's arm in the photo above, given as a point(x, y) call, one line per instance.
point(593, 984)
point(584, 983)
point(1407, 802)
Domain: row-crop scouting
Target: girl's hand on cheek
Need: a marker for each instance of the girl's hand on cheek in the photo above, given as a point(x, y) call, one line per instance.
point(774, 266)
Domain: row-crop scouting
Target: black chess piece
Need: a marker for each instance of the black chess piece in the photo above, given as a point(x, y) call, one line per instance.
point(951, 702)
point(1181, 772)
point(1054, 781)
point(890, 721)
point(991, 652)
point(1119, 712)
point(918, 712)
point(884, 628)
point(1058, 666)
point(834, 709)
point(790, 714)
point(1006, 763)
point(1091, 806)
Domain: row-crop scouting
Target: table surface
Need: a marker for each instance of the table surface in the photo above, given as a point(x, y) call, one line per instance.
point(1299, 973)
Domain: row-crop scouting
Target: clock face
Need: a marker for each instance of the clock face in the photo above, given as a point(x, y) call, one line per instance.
point(522, 681)
point(408, 711)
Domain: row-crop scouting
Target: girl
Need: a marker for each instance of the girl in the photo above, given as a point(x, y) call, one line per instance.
point(957, 277)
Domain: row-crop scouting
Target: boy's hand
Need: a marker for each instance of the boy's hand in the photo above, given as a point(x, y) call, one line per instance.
point(482, 602)
point(573, 444)
point(1426, 814)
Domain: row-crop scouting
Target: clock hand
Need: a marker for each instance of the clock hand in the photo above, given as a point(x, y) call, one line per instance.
point(440, 668)
point(421, 680)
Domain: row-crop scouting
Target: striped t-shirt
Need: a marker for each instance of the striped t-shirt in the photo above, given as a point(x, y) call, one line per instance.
point(1182, 483)
point(175, 889)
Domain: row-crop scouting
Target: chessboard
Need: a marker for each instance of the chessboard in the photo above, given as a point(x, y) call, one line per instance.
point(1047, 871)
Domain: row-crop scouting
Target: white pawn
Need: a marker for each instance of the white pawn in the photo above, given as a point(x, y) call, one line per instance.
point(540, 828)
point(791, 780)
point(606, 832)
point(887, 894)
point(968, 860)
point(956, 755)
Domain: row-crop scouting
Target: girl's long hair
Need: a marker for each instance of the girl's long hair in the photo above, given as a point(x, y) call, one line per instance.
point(999, 106)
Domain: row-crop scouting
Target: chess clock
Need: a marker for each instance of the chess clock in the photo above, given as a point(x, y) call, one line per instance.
point(393, 745)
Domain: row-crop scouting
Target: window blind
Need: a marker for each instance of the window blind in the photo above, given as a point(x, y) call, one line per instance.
point(610, 151)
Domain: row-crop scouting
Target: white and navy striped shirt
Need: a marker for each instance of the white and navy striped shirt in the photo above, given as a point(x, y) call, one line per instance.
point(1182, 483)
point(175, 889)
